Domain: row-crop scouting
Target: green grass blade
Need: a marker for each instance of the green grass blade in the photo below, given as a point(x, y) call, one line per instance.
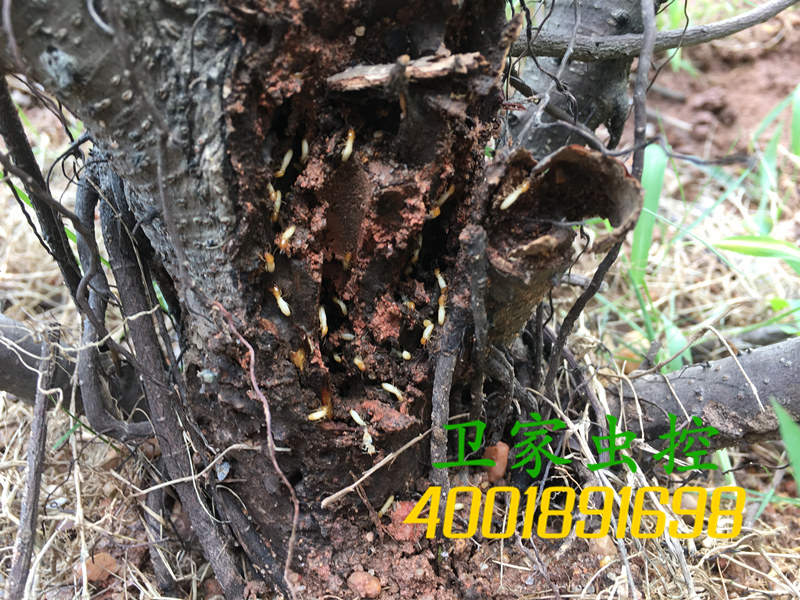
point(763, 246)
point(731, 187)
point(790, 432)
point(648, 321)
point(773, 114)
point(620, 311)
point(768, 180)
point(675, 341)
point(796, 122)
point(655, 163)
point(65, 436)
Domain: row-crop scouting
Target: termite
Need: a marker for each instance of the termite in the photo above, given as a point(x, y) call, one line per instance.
point(282, 304)
point(515, 194)
point(320, 413)
point(337, 357)
point(366, 443)
point(410, 305)
point(323, 322)
point(446, 195)
point(342, 306)
point(415, 254)
point(426, 334)
point(441, 313)
point(287, 158)
point(269, 261)
point(394, 390)
point(346, 260)
point(359, 362)
point(437, 207)
point(386, 506)
point(347, 337)
point(348, 145)
point(406, 355)
point(440, 280)
point(357, 418)
point(304, 151)
point(283, 241)
point(276, 206)
point(299, 359)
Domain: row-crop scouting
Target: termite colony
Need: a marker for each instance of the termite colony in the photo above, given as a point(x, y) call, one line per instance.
point(283, 241)
point(342, 350)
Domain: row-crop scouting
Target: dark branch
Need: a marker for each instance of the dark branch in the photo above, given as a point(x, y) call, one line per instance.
point(640, 88)
point(572, 317)
point(588, 48)
point(718, 393)
point(23, 544)
point(20, 152)
point(89, 372)
point(164, 406)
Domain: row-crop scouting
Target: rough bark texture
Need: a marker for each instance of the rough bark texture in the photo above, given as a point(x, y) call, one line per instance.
point(195, 106)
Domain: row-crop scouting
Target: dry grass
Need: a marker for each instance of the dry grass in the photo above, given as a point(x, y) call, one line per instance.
point(87, 507)
point(695, 288)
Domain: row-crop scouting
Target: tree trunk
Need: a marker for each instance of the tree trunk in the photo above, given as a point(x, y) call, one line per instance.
point(312, 177)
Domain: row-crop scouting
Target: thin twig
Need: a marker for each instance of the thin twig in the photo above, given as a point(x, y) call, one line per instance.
point(572, 317)
point(390, 458)
point(167, 414)
point(640, 88)
point(739, 365)
point(26, 531)
point(447, 355)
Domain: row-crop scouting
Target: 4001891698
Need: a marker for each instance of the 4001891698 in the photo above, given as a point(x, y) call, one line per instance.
point(551, 512)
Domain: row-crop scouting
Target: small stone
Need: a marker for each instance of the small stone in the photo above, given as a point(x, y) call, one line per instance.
point(98, 567)
point(499, 454)
point(603, 546)
point(403, 532)
point(212, 589)
point(364, 584)
point(112, 459)
point(294, 578)
point(150, 448)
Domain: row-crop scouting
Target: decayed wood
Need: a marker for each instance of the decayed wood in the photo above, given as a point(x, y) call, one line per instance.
point(362, 77)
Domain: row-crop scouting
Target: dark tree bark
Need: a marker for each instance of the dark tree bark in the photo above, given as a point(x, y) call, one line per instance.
point(386, 108)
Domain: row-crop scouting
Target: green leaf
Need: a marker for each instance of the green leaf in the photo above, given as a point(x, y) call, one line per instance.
point(790, 432)
point(763, 246)
point(674, 343)
point(778, 304)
